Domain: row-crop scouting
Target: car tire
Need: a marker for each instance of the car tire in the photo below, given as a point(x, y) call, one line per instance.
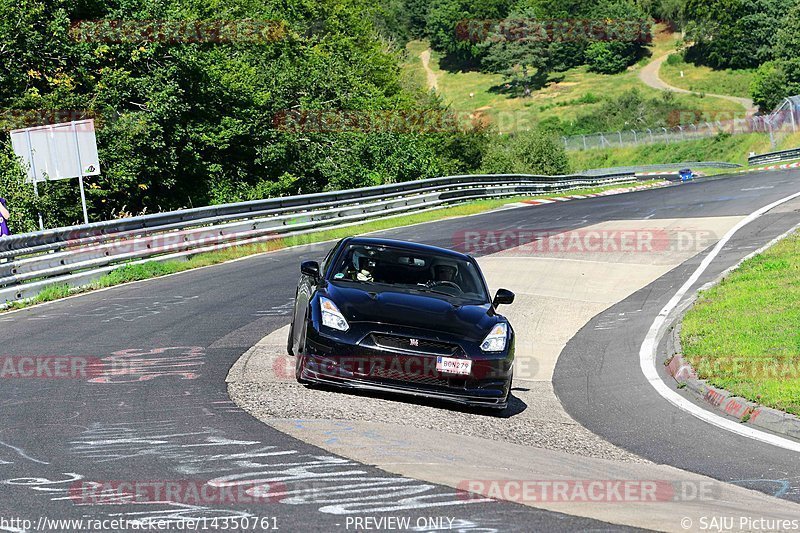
point(290, 340)
point(298, 371)
point(300, 362)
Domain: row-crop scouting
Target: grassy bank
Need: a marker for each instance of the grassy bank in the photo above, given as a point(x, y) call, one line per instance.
point(726, 148)
point(705, 79)
point(152, 269)
point(744, 334)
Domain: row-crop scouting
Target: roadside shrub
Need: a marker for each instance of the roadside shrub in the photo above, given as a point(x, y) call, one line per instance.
point(22, 204)
point(771, 84)
point(530, 152)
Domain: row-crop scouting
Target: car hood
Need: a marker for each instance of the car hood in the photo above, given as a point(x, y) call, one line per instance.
point(410, 309)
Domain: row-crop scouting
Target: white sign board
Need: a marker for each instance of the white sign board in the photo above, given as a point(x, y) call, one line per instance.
point(58, 151)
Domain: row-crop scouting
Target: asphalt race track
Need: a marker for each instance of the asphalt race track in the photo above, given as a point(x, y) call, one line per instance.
point(162, 413)
point(600, 383)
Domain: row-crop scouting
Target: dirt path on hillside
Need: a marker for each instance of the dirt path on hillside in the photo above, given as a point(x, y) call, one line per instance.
point(433, 82)
point(649, 76)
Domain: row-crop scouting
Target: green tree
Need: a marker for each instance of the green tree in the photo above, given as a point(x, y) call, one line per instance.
point(187, 123)
point(609, 57)
point(775, 80)
point(446, 28)
point(523, 60)
point(769, 85)
point(733, 33)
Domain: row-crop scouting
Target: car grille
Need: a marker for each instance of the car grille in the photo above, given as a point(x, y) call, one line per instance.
point(395, 342)
point(395, 375)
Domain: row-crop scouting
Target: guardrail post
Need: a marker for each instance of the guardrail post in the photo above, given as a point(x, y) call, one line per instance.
point(584, 142)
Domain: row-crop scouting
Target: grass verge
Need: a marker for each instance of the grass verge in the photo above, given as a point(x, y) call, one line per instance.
point(744, 334)
point(727, 148)
point(152, 269)
point(706, 80)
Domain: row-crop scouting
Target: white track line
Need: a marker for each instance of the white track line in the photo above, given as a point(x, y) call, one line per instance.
point(647, 353)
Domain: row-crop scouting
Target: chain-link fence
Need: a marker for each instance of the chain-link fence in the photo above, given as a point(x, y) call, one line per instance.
point(785, 119)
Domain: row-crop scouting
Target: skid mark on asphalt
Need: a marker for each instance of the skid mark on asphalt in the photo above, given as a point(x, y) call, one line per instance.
point(277, 310)
point(265, 473)
point(123, 309)
point(336, 485)
point(21, 453)
point(126, 366)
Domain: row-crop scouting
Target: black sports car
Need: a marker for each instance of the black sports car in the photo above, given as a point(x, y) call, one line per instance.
point(402, 317)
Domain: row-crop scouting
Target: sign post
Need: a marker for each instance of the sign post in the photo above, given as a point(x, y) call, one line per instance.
point(80, 174)
point(58, 151)
point(35, 187)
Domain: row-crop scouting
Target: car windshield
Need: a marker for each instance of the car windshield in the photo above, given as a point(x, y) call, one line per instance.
point(400, 268)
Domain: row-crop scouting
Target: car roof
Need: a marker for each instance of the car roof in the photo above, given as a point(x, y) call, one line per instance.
point(413, 246)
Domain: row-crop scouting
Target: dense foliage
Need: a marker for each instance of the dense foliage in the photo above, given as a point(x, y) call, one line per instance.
point(780, 77)
point(529, 152)
point(748, 34)
point(184, 123)
point(733, 33)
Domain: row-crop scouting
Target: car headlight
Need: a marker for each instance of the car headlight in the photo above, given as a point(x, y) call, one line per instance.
point(331, 316)
point(495, 341)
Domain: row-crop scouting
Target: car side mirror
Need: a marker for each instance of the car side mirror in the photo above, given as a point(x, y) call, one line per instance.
point(503, 297)
point(310, 268)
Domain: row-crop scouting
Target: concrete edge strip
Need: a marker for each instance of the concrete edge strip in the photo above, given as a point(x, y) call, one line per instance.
point(719, 399)
point(610, 192)
point(648, 350)
point(745, 411)
point(771, 167)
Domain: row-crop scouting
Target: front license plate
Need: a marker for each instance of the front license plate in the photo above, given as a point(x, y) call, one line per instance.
point(462, 367)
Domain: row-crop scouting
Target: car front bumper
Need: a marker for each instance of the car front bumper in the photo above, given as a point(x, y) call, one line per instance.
point(359, 364)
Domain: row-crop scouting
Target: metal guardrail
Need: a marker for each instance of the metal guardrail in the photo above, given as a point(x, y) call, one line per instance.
point(77, 255)
point(774, 157)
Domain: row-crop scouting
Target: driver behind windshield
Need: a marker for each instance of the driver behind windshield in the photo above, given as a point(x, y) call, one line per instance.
point(361, 268)
point(410, 271)
point(445, 273)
